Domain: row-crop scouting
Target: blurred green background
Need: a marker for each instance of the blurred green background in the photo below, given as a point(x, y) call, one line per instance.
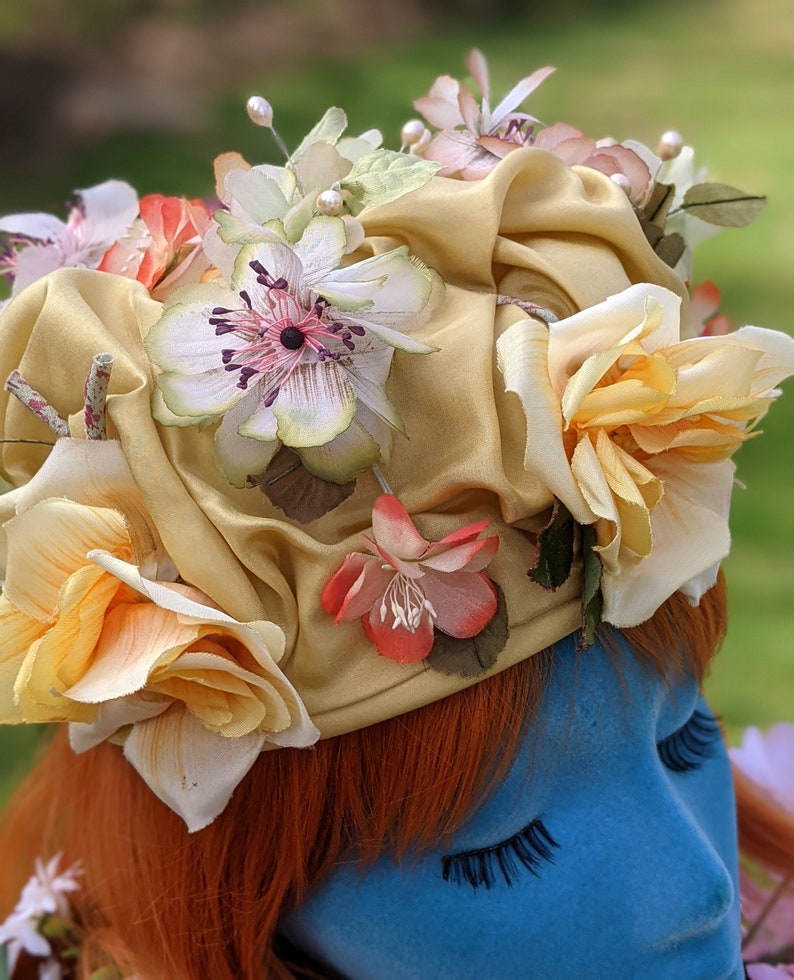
point(151, 91)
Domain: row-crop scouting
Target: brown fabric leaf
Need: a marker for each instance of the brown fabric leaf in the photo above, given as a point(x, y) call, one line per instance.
point(300, 494)
point(473, 656)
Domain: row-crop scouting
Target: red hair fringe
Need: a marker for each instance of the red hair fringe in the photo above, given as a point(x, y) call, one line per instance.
point(158, 902)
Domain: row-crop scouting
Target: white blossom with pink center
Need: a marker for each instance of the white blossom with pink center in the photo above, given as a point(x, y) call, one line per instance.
point(295, 351)
point(40, 243)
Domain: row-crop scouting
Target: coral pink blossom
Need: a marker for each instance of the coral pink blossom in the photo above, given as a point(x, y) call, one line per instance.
point(406, 586)
point(705, 302)
point(605, 155)
point(163, 245)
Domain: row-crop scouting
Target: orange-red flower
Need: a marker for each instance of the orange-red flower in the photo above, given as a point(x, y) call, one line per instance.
point(406, 586)
point(162, 249)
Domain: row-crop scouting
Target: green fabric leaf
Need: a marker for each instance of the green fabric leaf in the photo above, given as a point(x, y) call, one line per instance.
point(327, 130)
point(383, 176)
point(4, 963)
point(592, 600)
point(473, 656)
point(297, 492)
point(555, 550)
point(722, 205)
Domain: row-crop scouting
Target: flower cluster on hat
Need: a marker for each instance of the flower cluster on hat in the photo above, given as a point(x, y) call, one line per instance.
point(39, 243)
point(294, 351)
point(405, 586)
point(632, 428)
point(487, 134)
point(98, 631)
point(43, 897)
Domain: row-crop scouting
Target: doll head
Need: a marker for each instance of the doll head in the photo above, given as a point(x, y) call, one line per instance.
point(609, 847)
point(337, 465)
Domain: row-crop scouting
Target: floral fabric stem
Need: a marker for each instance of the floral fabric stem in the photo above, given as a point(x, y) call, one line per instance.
point(37, 404)
point(539, 311)
point(95, 392)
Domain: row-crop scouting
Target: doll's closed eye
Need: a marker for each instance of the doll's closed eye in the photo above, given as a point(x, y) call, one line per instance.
point(692, 744)
point(527, 849)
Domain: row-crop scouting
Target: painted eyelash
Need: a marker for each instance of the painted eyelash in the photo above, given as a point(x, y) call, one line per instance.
point(693, 743)
point(526, 849)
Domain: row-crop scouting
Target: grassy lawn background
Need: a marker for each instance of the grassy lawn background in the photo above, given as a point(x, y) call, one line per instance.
point(722, 73)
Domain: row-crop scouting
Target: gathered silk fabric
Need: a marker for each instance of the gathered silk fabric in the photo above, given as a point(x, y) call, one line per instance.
point(534, 229)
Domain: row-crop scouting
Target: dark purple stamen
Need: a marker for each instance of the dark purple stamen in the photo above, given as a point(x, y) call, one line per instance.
point(271, 397)
point(356, 329)
point(227, 355)
point(264, 278)
point(246, 299)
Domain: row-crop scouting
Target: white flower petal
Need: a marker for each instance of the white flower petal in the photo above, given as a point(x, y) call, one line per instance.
point(518, 93)
point(238, 456)
point(321, 248)
point(110, 208)
point(315, 404)
point(112, 716)
point(192, 770)
point(45, 227)
point(636, 591)
point(254, 195)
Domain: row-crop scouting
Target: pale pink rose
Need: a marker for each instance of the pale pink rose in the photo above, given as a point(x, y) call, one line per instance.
point(605, 155)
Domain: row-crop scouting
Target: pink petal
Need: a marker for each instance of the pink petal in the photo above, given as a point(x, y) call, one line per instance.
point(399, 643)
point(478, 69)
point(364, 592)
point(461, 536)
point(469, 557)
point(470, 110)
point(395, 531)
point(465, 602)
point(342, 581)
point(551, 136)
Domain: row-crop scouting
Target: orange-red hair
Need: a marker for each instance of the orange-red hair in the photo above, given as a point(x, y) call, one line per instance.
point(161, 903)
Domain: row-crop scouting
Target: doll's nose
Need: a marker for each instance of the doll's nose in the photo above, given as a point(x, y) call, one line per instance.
point(692, 889)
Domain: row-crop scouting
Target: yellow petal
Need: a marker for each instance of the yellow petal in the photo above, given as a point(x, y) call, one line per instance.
point(65, 652)
point(17, 633)
point(135, 638)
point(50, 541)
point(522, 353)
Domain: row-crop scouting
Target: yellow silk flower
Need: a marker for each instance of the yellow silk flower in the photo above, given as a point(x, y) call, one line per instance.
point(632, 429)
point(87, 637)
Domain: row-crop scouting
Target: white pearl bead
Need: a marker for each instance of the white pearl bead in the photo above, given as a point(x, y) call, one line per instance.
point(670, 145)
point(412, 132)
point(622, 181)
point(260, 112)
point(329, 203)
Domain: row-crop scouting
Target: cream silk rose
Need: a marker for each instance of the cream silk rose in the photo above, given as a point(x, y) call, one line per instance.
point(88, 636)
point(632, 429)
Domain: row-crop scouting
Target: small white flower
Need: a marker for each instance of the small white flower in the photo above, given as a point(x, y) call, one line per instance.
point(40, 243)
point(44, 894)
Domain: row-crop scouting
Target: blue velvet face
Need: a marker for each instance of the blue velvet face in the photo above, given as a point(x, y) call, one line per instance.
point(628, 777)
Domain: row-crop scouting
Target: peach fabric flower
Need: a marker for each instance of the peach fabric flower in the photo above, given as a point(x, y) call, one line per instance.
point(632, 430)
point(407, 586)
point(85, 637)
point(162, 249)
